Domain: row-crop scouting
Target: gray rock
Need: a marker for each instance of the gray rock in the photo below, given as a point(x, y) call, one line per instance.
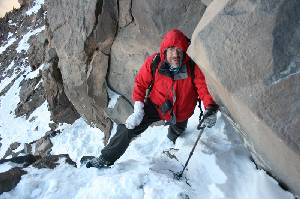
point(10, 179)
point(36, 51)
point(250, 54)
point(62, 110)
point(53, 126)
point(125, 16)
point(10, 150)
point(43, 147)
point(206, 2)
point(82, 33)
point(31, 96)
point(120, 112)
point(27, 148)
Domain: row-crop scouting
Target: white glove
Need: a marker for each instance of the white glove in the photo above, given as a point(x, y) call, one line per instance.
point(137, 116)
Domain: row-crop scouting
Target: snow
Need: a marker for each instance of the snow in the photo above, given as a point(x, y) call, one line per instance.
point(18, 129)
point(9, 35)
point(34, 73)
point(23, 44)
point(77, 140)
point(9, 42)
point(7, 80)
point(113, 96)
point(5, 167)
point(219, 168)
point(33, 10)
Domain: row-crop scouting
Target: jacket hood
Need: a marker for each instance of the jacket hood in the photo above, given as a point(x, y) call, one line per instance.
point(175, 38)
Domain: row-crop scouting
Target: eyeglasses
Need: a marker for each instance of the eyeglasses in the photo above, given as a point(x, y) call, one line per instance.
point(175, 49)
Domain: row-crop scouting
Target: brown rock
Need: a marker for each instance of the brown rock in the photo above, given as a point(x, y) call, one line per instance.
point(249, 52)
point(52, 161)
point(10, 179)
point(62, 110)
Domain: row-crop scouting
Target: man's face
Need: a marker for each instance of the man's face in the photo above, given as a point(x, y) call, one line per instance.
point(174, 56)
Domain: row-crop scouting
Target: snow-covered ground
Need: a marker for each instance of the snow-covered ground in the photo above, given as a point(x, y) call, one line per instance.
point(220, 167)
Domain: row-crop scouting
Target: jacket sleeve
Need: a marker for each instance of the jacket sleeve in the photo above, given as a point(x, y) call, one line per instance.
point(202, 90)
point(142, 80)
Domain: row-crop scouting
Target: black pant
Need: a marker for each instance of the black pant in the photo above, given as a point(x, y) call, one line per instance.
point(120, 141)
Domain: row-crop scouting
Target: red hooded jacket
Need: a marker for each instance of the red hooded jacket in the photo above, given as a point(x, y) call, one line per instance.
point(185, 93)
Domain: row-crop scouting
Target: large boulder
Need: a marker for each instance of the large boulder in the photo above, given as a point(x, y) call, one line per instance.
point(10, 179)
point(62, 110)
point(142, 24)
point(82, 33)
point(250, 54)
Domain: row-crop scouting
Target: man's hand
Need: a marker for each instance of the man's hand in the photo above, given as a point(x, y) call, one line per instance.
point(209, 118)
point(137, 116)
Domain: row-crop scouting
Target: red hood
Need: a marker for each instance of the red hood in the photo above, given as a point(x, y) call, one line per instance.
point(173, 38)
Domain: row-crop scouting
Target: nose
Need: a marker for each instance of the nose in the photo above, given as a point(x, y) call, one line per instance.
point(175, 53)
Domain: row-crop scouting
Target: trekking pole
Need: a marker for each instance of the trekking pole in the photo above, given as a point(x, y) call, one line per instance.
point(201, 128)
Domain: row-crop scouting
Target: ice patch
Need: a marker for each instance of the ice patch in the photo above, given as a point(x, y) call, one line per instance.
point(23, 45)
point(9, 42)
point(113, 96)
point(37, 6)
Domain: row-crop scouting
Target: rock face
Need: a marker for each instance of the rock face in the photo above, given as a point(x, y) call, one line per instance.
point(250, 54)
point(36, 51)
point(31, 96)
point(82, 33)
point(62, 110)
point(109, 35)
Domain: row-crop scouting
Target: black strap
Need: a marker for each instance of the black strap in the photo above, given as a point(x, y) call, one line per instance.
point(154, 66)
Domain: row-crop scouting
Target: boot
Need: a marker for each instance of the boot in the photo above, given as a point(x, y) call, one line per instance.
point(98, 163)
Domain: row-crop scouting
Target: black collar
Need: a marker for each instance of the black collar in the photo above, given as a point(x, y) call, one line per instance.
point(165, 70)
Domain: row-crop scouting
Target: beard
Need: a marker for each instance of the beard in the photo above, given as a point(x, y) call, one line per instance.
point(175, 63)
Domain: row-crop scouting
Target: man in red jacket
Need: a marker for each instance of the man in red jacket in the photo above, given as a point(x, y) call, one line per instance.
point(173, 98)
